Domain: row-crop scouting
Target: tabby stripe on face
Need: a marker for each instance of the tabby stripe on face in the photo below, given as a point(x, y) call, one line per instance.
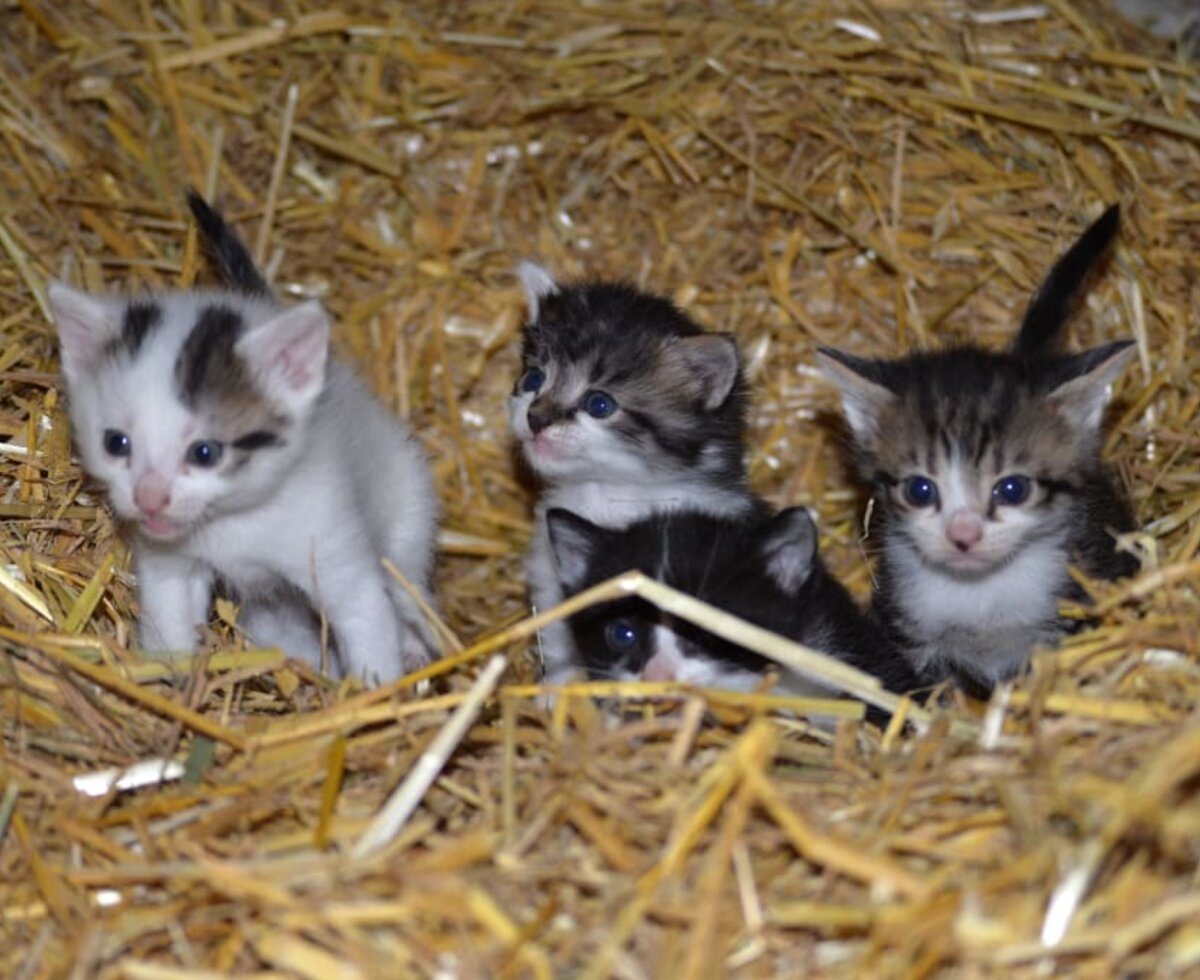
point(673, 443)
point(141, 317)
point(206, 366)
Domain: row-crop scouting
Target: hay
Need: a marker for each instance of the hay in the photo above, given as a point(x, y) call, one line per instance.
point(870, 176)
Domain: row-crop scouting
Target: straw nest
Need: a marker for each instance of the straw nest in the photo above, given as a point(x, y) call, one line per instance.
point(874, 176)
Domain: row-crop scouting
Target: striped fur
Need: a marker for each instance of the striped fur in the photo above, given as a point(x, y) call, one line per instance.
point(987, 480)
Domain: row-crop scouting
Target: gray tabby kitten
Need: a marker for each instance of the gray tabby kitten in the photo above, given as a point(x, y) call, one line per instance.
point(238, 452)
point(988, 484)
point(625, 407)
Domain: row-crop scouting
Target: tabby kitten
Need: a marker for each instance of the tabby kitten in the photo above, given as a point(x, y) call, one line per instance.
point(762, 568)
point(987, 481)
point(238, 452)
point(624, 407)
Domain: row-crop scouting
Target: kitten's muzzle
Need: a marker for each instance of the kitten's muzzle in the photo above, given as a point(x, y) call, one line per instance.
point(964, 530)
point(542, 418)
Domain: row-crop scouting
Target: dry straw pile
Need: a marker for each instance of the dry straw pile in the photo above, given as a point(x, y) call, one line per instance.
point(872, 175)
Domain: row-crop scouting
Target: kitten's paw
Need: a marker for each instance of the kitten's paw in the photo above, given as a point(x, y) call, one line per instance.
point(415, 652)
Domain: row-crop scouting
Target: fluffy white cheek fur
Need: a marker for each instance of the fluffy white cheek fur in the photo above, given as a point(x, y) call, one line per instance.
point(518, 406)
point(1004, 536)
point(706, 673)
point(582, 448)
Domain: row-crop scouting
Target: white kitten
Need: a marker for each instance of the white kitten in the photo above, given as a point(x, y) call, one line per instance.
point(239, 453)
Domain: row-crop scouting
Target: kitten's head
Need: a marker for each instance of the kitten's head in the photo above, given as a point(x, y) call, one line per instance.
point(754, 567)
point(974, 454)
point(619, 384)
point(191, 404)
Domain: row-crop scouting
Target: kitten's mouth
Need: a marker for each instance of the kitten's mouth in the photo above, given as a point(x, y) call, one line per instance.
point(970, 564)
point(161, 527)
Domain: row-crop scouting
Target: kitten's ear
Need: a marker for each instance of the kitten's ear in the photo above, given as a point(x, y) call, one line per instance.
point(287, 354)
point(573, 540)
point(1086, 382)
point(85, 326)
point(538, 284)
point(1057, 296)
point(714, 363)
point(790, 549)
point(864, 398)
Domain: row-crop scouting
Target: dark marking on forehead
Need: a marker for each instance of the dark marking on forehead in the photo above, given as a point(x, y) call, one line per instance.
point(207, 368)
point(259, 439)
point(141, 317)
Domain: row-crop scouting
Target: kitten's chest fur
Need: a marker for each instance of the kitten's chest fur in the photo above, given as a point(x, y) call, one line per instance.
point(616, 505)
point(985, 626)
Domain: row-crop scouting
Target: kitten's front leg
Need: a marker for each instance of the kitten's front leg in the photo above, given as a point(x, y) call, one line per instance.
point(174, 594)
point(364, 621)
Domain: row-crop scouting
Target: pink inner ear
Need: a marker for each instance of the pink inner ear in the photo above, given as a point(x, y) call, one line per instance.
point(297, 368)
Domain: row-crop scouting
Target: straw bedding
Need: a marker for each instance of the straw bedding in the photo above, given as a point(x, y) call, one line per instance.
point(876, 176)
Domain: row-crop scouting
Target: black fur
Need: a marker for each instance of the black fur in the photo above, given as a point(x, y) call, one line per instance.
point(142, 317)
point(723, 561)
point(1055, 300)
point(207, 366)
point(259, 439)
point(231, 256)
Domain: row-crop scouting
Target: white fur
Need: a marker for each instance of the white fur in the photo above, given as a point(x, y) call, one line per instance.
point(671, 661)
point(987, 623)
point(537, 283)
point(348, 488)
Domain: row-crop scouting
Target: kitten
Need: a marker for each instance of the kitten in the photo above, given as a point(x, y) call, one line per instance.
point(239, 452)
point(624, 407)
point(764, 569)
point(987, 482)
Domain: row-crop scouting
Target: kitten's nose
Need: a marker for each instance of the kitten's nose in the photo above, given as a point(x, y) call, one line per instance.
point(151, 493)
point(659, 668)
point(538, 420)
point(964, 530)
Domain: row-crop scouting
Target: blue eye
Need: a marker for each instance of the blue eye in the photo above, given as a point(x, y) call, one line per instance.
point(205, 452)
point(599, 405)
point(920, 491)
point(116, 443)
point(1012, 490)
point(532, 380)
point(621, 636)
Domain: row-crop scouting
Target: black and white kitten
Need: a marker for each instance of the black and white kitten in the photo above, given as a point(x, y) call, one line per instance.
point(987, 481)
point(238, 451)
point(764, 569)
point(624, 407)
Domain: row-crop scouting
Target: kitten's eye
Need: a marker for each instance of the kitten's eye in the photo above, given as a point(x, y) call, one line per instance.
point(621, 636)
point(116, 443)
point(204, 452)
point(1012, 490)
point(532, 380)
point(920, 491)
point(599, 404)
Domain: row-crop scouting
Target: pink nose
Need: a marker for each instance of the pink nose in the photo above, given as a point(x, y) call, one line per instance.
point(659, 668)
point(964, 530)
point(152, 493)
